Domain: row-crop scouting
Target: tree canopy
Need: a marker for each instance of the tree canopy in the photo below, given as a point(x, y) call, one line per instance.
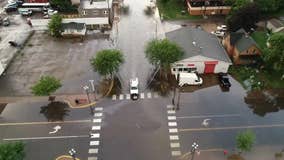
point(245, 17)
point(107, 61)
point(12, 151)
point(45, 86)
point(245, 140)
point(274, 55)
point(63, 5)
point(55, 25)
point(267, 6)
point(163, 52)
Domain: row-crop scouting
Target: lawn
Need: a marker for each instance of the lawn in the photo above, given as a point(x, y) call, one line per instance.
point(260, 38)
point(171, 10)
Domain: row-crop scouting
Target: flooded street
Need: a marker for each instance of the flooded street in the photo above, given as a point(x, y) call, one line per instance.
point(132, 32)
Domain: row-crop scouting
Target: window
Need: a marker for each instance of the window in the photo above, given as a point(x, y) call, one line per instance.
point(84, 12)
point(105, 12)
point(180, 69)
point(174, 69)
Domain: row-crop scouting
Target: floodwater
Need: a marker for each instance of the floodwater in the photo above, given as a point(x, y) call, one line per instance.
point(131, 34)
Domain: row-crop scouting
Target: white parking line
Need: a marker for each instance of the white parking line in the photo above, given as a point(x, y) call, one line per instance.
point(98, 114)
point(96, 128)
point(97, 120)
point(172, 118)
point(114, 97)
point(172, 124)
point(175, 145)
point(171, 111)
point(174, 137)
point(98, 108)
point(92, 158)
point(149, 95)
point(127, 96)
point(121, 96)
point(173, 130)
point(94, 143)
point(142, 95)
point(176, 153)
point(95, 135)
point(93, 150)
point(38, 138)
point(210, 116)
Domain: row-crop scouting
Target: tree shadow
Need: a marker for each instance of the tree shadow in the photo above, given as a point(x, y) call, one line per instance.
point(55, 111)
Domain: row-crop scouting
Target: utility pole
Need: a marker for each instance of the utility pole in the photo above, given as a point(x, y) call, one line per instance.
point(86, 88)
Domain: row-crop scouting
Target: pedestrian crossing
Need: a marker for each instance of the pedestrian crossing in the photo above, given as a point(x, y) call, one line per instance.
point(148, 95)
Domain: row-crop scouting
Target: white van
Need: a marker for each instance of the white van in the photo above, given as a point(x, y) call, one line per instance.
point(189, 79)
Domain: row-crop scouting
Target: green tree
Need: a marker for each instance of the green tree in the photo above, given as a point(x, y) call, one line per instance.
point(245, 140)
point(107, 62)
point(238, 4)
point(163, 53)
point(267, 6)
point(245, 17)
point(55, 25)
point(63, 5)
point(274, 55)
point(45, 86)
point(12, 151)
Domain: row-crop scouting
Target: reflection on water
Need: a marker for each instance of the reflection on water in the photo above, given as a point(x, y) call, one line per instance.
point(263, 102)
point(55, 111)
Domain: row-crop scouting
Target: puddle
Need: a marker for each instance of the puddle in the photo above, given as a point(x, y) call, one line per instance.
point(263, 102)
point(55, 111)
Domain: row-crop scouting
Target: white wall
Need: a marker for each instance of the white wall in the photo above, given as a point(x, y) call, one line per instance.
point(1, 68)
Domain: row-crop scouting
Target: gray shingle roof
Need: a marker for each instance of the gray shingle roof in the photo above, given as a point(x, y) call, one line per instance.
point(195, 42)
point(73, 25)
point(242, 41)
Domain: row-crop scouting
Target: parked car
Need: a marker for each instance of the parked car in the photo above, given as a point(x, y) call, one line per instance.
point(222, 28)
point(49, 11)
point(218, 33)
point(224, 80)
point(134, 88)
point(11, 7)
point(18, 2)
point(189, 79)
point(25, 11)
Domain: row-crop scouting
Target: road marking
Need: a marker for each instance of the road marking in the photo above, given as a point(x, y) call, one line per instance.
point(121, 97)
point(98, 114)
point(149, 95)
point(169, 106)
point(142, 95)
point(211, 116)
point(39, 138)
point(176, 153)
point(94, 143)
point(96, 128)
point(172, 124)
point(171, 111)
point(98, 108)
point(156, 95)
point(173, 130)
point(92, 158)
point(40, 123)
point(231, 128)
point(95, 135)
point(172, 118)
point(97, 120)
point(93, 150)
point(114, 97)
point(174, 137)
point(175, 145)
point(127, 96)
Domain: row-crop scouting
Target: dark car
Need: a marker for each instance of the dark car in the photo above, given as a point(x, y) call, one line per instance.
point(224, 80)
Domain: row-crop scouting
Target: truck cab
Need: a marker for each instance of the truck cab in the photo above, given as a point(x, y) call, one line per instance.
point(134, 88)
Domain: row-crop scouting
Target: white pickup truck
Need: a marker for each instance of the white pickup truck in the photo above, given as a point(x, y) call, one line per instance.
point(189, 79)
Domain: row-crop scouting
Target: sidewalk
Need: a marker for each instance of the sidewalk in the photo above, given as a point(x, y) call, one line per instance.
point(257, 153)
point(70, 99)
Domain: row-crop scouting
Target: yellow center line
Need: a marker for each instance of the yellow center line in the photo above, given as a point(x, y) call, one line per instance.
point(39, 123)
point(231, 128)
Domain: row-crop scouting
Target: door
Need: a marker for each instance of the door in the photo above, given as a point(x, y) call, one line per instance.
point(210, 66)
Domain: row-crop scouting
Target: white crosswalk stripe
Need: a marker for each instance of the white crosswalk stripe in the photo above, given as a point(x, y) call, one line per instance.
point(173, 130)
point(174, 137)
point(172, 124)
point(98, 114)
point(127, 96)
point(113, 97)
point(96, 128)
point(98, 108)
point(95, 135)
point(156, 95)
point(171, 111)
point(142, 95)
point(175, 145)
point(92, 158)
point(172, 117)
point(99, 120)
point(149, 95)
point(170, 106)
point(94, 143)
point(176, 153)
point(93, 150)
point(121, 96)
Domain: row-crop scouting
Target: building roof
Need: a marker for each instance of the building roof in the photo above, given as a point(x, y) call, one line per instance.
point(241, 40)
point(74, 25)
point(195, 42)
point(276, 23)
point(93, 4)
point(88, 21)
point(75, 2)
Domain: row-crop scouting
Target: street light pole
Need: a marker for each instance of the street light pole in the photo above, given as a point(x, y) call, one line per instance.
point(194, 147)
point(86, 88)
point(72, 153)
